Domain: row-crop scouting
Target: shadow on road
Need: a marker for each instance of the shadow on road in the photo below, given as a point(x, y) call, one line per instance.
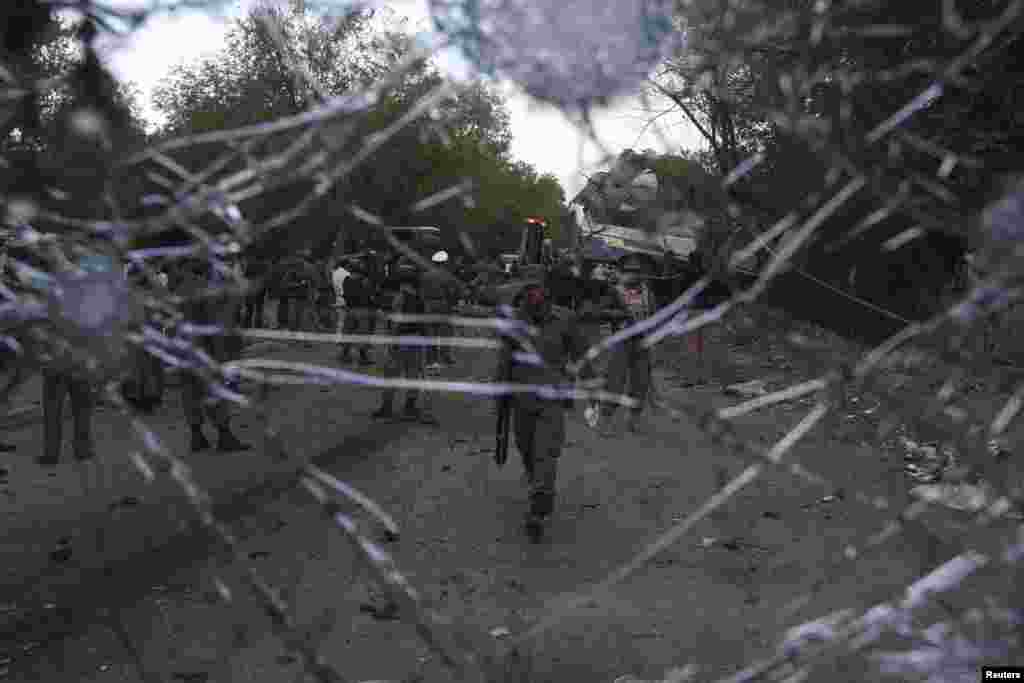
point(64, 602)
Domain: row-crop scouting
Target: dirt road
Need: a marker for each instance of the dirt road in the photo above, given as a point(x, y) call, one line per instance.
point(717, 598)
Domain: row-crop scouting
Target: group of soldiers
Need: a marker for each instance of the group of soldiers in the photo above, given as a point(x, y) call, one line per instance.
point(143, 384)
point(565, 303)
point(567, 306)
point(366, 289)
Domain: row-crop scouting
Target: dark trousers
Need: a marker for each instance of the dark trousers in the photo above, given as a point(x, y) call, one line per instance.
point(146, 383)
point(55, 387)
point(539, 428)
point(194, 396)
point(292, 313)
point(358, 321)
point(436, 354)
point(407, 362)
point(252, 312)
point(630, 365)
point(439, 353)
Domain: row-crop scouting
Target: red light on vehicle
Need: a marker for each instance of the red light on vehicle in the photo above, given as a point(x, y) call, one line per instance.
point(536, 221)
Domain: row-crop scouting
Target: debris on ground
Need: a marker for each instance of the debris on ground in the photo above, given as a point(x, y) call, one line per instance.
point(925, 463)
point(964, 497)
point(751, 389)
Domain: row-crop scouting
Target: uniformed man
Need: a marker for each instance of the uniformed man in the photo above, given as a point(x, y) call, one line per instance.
point(360, 315)
point(594, 293)
point(297, 282)
point(193, 276)
point(339, 273)
point(59, 382)
point(539, 423)
point(629, 366)
point(440, 295)
point(145, 386)
point(406, 361)
point(256, 272)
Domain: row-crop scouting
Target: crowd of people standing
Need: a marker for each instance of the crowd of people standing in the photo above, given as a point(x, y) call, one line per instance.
point(567, 302)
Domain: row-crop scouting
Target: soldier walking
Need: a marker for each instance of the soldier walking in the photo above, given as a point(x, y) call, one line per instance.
point(193, 277)
point(630, 362)
point(406, 361)
point(539, 423)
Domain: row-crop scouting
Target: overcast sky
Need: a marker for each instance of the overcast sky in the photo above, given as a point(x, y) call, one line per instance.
point(541, 135)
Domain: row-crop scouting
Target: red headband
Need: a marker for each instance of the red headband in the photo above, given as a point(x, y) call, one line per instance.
point(535, 296)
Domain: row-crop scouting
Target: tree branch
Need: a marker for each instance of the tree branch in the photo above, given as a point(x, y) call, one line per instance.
point(678, 101)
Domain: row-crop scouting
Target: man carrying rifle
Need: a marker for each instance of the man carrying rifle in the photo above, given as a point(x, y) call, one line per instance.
point(539, 423)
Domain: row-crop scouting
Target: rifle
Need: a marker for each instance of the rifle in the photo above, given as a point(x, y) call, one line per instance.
point(502, 430)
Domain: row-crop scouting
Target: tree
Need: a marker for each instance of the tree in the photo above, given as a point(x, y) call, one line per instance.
point(466, 136)
point(52, 62)
point(253, 79)
point(806, 92)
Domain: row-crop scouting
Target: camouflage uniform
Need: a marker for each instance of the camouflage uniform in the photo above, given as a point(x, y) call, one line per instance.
point(145, 386)
point(192, 278)
point(406, 361)
point(360, 316)
point(297, 278)
point(59, 382)
point(439, 297)
point(539, 423)
point(630, 361)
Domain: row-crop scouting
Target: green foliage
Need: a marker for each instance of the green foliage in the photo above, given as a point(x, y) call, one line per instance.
point(58, 59)
point(463, 141)
point(251, 79)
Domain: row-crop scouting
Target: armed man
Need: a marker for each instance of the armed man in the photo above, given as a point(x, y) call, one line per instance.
point(538, 422)
point(630, 362)
point(406, 361)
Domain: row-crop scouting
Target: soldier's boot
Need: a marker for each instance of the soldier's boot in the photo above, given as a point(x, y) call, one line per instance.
point(636, 422)
point(227, 442)
point(364, 358)
point(537, 519)
point(607, 426)
point(199, 442)
point(380, 606)
point(385, 412)
point(82, 443)
point(411, 410)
